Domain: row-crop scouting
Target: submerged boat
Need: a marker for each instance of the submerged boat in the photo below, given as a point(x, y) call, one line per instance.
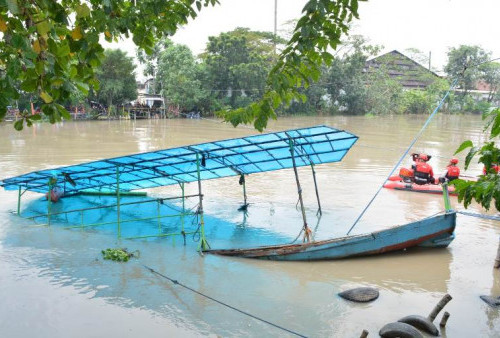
point(425, 188)
point(238, 157)
point(436, 231)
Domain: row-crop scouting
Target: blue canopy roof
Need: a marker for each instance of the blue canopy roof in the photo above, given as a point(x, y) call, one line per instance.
point(246, 155)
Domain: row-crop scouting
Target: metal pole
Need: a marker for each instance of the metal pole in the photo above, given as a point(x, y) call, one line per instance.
point(299, 189)
point(242, 182)
point(446, 196)
point(118, 201)
point(183, 211)
point(49, 202)
point(203, 242)
point(316, 187)
point(244, 191)
point(19, 202)
point(159, 218)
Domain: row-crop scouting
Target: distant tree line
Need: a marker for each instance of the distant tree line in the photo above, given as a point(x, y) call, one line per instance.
point(232, 73)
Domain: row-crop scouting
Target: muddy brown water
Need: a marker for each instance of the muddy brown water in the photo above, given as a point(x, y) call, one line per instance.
point(53, 282)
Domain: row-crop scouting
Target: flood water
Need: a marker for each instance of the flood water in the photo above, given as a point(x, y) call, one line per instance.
point(54, 283)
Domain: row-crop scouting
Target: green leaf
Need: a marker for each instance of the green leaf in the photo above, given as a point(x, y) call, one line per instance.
point(63, 50)
point(64, 113)
point(470, 155)
point(13, 8)
point(495, 127)
point(464, 145)
point(30, 85)
point(46, 97)
point(3, 112)
point(82, 11)
point(43, 27)
point(18, 125)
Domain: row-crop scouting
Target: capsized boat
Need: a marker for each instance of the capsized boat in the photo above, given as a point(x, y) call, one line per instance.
point(436, 231)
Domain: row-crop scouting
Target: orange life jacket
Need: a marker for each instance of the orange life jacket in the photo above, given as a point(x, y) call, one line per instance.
point(453, 172)
point(423, 173)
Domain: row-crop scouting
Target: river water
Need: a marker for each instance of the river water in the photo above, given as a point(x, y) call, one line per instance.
point(54, 283)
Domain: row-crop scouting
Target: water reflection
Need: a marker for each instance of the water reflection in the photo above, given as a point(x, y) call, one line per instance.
point(58, 273)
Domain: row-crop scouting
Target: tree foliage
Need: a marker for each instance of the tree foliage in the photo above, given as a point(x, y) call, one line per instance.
point(320, 28)
point(463, 65)
point(486, 189)
point(178, 78)
point(491, 75)
point(52, 49)
point(237, 64)
point(117, 84)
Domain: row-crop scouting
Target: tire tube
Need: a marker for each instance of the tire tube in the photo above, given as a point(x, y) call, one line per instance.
point(361, 295)
point(402, 330)
point(421, 323)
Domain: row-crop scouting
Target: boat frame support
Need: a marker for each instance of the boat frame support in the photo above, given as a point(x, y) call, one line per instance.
point(446, 197)
point(183, 196)
point(20, 194)
point(242, 181)
point(320, 212)
point(203, 241)
point(307, 231)
point(119, 229)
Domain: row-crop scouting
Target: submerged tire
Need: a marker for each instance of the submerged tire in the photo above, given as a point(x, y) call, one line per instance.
point(401, 330)
point(361, 295)
point(491, 301)
point(421, 323)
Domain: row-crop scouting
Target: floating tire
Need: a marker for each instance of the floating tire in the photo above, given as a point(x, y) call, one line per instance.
point(421, 323)
point(401, 330)
point(491, 301)
point(361, 295)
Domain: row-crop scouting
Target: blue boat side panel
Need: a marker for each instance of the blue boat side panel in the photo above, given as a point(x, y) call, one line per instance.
point(246, 155)
point(434, 231)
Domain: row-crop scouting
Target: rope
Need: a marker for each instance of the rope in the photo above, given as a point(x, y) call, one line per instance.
point(472, 214)
point(176, 282)
point(404, 154)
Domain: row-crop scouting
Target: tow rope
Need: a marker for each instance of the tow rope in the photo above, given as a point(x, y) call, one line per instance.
point(176, 282)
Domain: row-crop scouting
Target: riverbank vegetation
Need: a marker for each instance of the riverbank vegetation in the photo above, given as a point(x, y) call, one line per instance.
point(52, 57)
point(231, 74)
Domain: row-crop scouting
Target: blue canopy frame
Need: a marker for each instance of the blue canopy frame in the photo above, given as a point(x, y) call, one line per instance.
point(231, 157)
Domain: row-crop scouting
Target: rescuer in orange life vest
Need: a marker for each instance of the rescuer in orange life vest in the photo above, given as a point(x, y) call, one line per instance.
point(422, 171)
point(452, 171)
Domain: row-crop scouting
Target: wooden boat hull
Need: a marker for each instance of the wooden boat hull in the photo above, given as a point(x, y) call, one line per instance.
point(436, 231)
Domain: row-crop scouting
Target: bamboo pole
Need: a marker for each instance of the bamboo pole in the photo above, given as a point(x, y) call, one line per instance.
point(307, 232)
point(316, 188)
point(446, 315)
point(439, 306)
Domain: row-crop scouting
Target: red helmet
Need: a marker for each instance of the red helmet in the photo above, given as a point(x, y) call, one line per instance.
point(454, 160)
point(423, 157)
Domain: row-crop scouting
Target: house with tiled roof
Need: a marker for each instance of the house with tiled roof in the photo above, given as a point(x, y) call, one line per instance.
point(409, 73)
